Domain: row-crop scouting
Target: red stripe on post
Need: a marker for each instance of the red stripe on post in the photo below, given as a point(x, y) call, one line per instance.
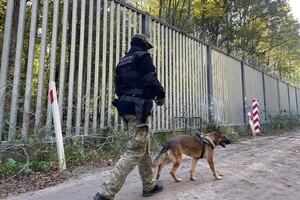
point(256, 113)
point(51, 96)
point(256, 120)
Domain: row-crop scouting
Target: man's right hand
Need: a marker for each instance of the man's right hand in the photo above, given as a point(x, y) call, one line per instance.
point(160, 102)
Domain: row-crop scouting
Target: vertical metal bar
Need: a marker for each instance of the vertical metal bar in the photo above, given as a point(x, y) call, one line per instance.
point(103, 85)
point(41, 68)
point(123, 32)
point(167, 78)
point(146, 24)
point(129, 28)
point(80, 68)
point(209, 84)
point(154, 39)
point(192, 78)
point(97, 56)
point(171, 90)
point(173, 126)
point(52, 61)
point(264, 95)
point(177, 76)
point(17, 72)
point(140, 23)
point(5, 59)
point(191, 84)
point(205, 94)
point(63, 58)
point(198, 78)
point(29, 73)
point(203, 81)
point(278, 89)
point(179, 57)
point(89, 70)
point(188, 83)
point(134, 22)
point(174, 67)
point(244, 92)
point(72, 69)
point(123, 44)
point(184, 76)
point(158, 67)
point(296, 95)
point(162, 70)
point(289, 98)
point(117, 56)
point(110, 69)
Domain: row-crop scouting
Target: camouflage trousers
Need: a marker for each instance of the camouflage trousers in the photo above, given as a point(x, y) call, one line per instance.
point(137, 154)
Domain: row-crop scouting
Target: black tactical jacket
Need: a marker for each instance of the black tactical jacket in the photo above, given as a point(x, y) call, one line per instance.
point(136, 76)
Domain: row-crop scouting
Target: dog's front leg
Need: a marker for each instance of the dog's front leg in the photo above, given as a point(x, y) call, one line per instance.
point(212, 167)
point(192, 172)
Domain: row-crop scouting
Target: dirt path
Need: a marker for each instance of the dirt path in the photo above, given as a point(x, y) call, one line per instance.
point(260, 169)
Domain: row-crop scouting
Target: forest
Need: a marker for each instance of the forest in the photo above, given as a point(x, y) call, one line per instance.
point(264, 33)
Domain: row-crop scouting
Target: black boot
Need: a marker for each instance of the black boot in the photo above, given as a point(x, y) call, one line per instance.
point(158, 188)
point(98, 196)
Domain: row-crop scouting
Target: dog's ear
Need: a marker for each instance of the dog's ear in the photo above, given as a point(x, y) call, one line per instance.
point(214, 128)
point(217, 129)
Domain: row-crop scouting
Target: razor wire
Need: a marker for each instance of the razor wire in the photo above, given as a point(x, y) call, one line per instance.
point(45, 131)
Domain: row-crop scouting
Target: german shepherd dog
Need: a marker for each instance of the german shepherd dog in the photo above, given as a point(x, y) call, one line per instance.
point(196, 147)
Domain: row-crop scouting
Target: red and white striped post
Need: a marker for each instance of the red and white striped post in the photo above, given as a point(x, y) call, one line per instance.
point(255, 111)
point(57, 126)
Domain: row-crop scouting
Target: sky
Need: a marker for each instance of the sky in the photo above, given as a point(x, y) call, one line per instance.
point(295, 5)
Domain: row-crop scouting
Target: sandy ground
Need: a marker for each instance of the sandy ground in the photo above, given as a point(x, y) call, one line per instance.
point(261, 168)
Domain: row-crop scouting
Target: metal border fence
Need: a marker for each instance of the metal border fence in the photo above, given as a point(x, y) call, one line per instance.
point(77, 44)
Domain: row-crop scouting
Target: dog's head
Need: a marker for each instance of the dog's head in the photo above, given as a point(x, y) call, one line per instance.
point(218, 137)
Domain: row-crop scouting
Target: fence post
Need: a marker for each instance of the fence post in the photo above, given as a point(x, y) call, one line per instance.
point(296, 95)
point(264, 95)
point(244, 92)
point(5, 60)
point(289, 99)
point(278, 89)
point(146, 24)
point(209, 84)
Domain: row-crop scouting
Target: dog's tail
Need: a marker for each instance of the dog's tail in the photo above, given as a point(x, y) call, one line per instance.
point(161, 154)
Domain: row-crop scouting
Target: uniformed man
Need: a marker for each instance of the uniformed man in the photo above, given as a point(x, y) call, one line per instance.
point(136, 86)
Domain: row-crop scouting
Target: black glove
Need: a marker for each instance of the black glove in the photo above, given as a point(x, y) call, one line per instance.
point(160, 102)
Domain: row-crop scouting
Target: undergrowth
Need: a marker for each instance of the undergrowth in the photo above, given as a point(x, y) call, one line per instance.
point(109, 144)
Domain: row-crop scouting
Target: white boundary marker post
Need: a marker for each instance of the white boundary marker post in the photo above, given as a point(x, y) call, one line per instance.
point(251, 124)
point(57, 126)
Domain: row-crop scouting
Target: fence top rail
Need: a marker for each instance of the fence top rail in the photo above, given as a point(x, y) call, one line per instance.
point(193, 37)
point(128, 6)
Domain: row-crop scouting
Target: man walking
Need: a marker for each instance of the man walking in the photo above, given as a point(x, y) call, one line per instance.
point(136, 86)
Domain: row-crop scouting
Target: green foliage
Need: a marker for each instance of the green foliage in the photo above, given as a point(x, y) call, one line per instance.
point(231, 133)
point(43, 158)
point(262, 33)
point(9, 168)
point(285, 122)
point(236, 133)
